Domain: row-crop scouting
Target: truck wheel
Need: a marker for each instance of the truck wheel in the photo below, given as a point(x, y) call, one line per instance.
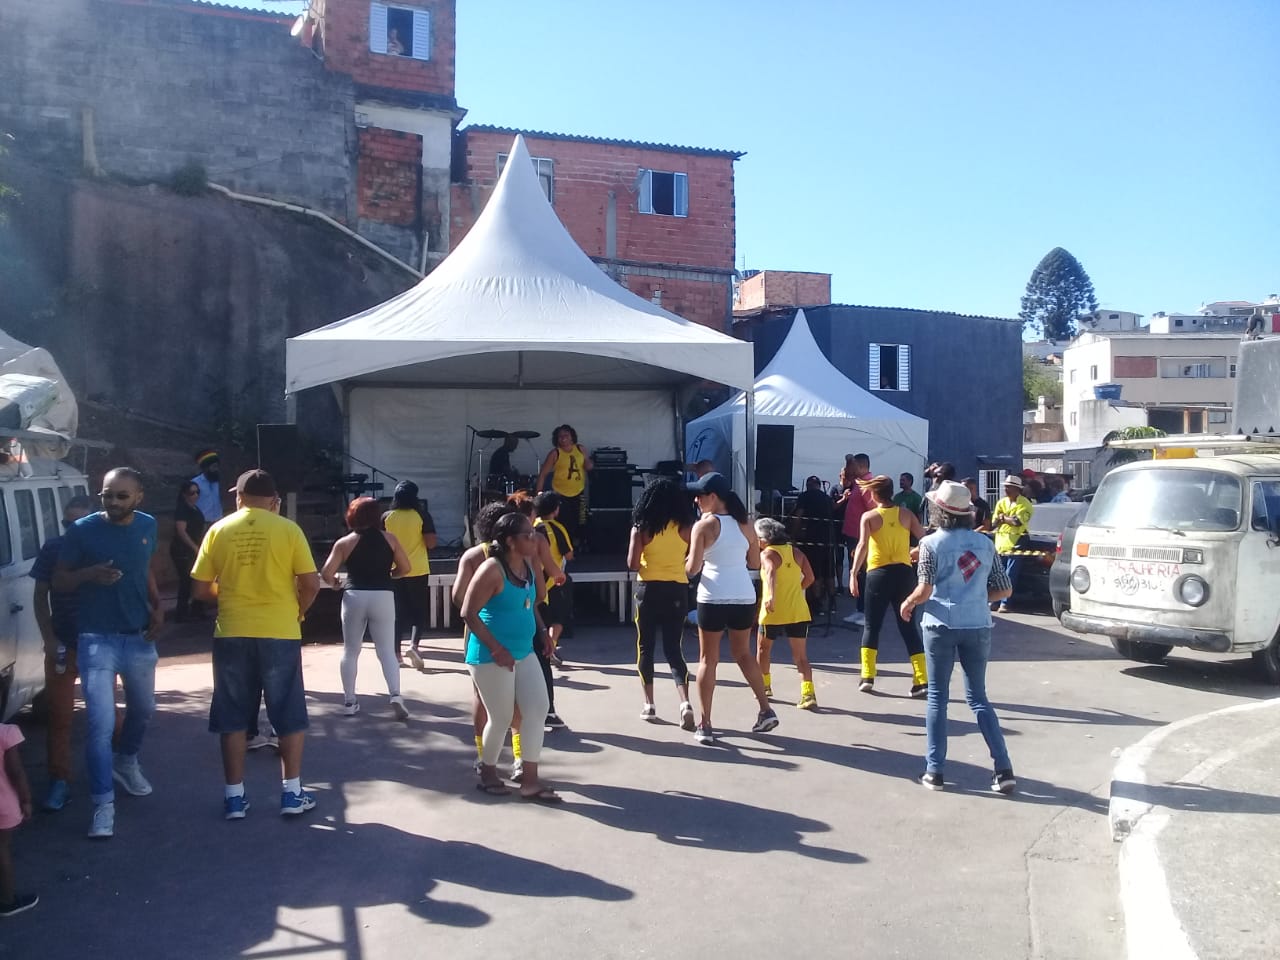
point(1267, 661)
point(1141, 651)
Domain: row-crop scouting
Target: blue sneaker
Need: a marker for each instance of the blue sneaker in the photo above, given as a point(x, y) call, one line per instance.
point(234, 808)
point(58, 797)
point(292, 804)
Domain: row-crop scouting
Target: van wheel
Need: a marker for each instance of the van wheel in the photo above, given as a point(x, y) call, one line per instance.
point(1140, 650)
point(1267, 661)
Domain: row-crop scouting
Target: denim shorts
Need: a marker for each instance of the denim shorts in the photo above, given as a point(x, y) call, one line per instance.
point(249, 669)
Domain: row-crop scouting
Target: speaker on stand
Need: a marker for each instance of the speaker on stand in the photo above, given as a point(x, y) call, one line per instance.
point(280, 454)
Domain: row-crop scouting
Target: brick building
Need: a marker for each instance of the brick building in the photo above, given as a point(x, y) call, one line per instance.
point(658, 218)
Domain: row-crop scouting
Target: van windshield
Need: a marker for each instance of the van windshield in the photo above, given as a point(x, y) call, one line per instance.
point(1167, 499)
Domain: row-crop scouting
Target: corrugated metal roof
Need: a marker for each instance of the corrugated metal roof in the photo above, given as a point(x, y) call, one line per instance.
point(638, 144)
point(271, 8)
point(936, 313)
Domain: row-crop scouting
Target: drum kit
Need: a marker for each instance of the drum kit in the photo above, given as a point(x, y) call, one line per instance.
point(484, 487)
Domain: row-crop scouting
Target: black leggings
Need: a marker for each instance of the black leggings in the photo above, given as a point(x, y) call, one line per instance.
point(661, 606)
point(886, 588)
point(411, 608)
point(545, 663)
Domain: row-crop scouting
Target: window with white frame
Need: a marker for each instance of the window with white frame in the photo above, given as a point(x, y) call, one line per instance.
point(1072, 376)
point(1073, 418)
point(663, 194)
point(400, 31)
point(991, 486)
point(545, 167)
point(889, 366)
point(1231, 369)
point(1194, 368)
point(1093, 372)
point(1218, 416)
point(1080, 474)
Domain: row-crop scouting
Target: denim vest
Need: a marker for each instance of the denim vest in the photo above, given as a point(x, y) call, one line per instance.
point(962, 564)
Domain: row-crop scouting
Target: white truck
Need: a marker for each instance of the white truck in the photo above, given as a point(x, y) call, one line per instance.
point(38, 417)
point(1184, 550)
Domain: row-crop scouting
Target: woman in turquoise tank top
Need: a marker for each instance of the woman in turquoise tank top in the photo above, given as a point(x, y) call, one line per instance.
point(500, 610)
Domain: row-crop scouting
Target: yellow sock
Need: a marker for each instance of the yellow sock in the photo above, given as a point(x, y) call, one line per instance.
point(515, 745)
point(869, 663)
point(919, 674)
point(806, 689)
point(768, 679)
point(479, 745)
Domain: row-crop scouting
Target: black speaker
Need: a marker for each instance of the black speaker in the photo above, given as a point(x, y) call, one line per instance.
point(609, 489)
point(775, 451)
point(609, 531)
point(280, 454)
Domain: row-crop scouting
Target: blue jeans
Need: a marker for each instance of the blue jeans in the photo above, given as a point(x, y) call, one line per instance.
point(101, 656)
point(942, 647)
point(1012, 567)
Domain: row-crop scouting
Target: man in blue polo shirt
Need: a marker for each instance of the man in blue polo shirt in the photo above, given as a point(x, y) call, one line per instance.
point(106, 560)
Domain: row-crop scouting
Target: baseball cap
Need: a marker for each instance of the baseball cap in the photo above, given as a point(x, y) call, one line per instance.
point(712, 483)
point(255, 483)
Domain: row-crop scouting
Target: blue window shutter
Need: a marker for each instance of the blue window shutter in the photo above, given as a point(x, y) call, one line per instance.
point(682, 194)
point(873, 367)
point(904, 367)
point(644, 202)
point(421, 35)
point(378, 27)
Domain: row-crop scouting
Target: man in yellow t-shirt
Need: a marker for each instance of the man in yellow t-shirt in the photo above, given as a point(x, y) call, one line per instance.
point(258, 567)
point(1010, 521)
point(409, 523)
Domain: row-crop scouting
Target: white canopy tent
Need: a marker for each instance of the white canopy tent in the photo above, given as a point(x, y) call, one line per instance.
point(831, 414)
point(517, 330)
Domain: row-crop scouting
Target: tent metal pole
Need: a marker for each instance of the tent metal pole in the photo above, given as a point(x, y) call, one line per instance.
point(751, 448)
point(291, 417)
point(677, 402)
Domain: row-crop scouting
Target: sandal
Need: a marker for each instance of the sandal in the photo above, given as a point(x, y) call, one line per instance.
point(545, 795)
point(493, 789)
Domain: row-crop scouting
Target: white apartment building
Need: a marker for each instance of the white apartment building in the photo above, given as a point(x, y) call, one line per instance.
point(1181, 383)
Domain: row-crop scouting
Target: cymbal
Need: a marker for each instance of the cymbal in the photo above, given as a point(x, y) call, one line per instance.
point(491, 434)
point(526, 434)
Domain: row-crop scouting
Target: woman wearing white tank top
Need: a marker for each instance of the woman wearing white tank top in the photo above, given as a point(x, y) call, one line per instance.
point(724, 549)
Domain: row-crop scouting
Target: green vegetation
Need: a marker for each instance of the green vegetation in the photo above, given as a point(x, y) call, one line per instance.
point(1039, 380)
point(1058, 292)
point(1130, 433)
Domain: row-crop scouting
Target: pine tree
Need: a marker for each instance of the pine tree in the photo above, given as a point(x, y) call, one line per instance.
point(1058, 292)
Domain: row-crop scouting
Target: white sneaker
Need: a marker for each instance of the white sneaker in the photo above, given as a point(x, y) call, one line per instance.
point(401, 711)
point(517, 771)
point(687, 721)
point(415, 659)
point(648, 712)
point(128, 773)
point(350, 708)
point(855, 619)
point(104, 822)
point(260, 741)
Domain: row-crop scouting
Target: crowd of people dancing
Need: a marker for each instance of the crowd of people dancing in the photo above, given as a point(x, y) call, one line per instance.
point(926, 561)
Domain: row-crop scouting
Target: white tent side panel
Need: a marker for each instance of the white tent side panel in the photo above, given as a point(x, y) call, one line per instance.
point(418, 434)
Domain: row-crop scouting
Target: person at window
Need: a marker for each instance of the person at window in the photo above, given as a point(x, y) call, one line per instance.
point(907, 496)
point(209, 502)
point(257, 566)
point(1010, 520)
point(501, 613)
point(188, 528)
point(394, 44)
point(959, 575)
point(785, 574)
point(55, 614)
point(981, 509)
point(106, 559)
point(410, 523)
point(884, 545)
point(500, 462)
point(567, 466)
point(662, 525)
point(724, 550)
point(373, 557)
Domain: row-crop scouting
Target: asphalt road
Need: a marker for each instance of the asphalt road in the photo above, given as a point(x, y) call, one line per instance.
point(814, 839)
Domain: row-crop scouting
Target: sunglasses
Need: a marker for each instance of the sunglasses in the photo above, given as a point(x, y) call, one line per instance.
point(117, 495)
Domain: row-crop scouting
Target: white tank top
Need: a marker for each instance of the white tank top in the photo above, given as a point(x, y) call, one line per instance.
point(725, 578)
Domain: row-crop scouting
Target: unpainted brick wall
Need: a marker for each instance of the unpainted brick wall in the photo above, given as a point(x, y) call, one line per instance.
point(702, 301)
point(388, 175)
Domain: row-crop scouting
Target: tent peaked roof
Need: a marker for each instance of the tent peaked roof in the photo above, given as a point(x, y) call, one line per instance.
point(517, 303)
point(800, 382)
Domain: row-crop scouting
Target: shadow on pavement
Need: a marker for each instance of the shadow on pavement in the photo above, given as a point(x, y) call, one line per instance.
point(1196, 798)
point(1237, 676)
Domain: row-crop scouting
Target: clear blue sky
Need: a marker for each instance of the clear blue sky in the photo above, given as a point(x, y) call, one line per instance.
point(928, 154)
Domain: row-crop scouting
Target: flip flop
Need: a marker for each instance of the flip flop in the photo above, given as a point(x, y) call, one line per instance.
point(545, 796)
point(493, 789)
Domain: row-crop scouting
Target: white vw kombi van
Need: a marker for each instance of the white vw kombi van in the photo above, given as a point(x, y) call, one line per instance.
point(1185, 553)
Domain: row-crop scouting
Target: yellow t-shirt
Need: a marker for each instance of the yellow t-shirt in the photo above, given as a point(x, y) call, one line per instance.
point(789, 604)
point(1008, 535)
point(569, 478)
point(254, 555)
point(662, 558)
point(891, 543)
point(406, 526)
point(556, 534)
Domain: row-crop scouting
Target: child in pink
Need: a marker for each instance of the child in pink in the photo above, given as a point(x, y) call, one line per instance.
point(15, 807)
